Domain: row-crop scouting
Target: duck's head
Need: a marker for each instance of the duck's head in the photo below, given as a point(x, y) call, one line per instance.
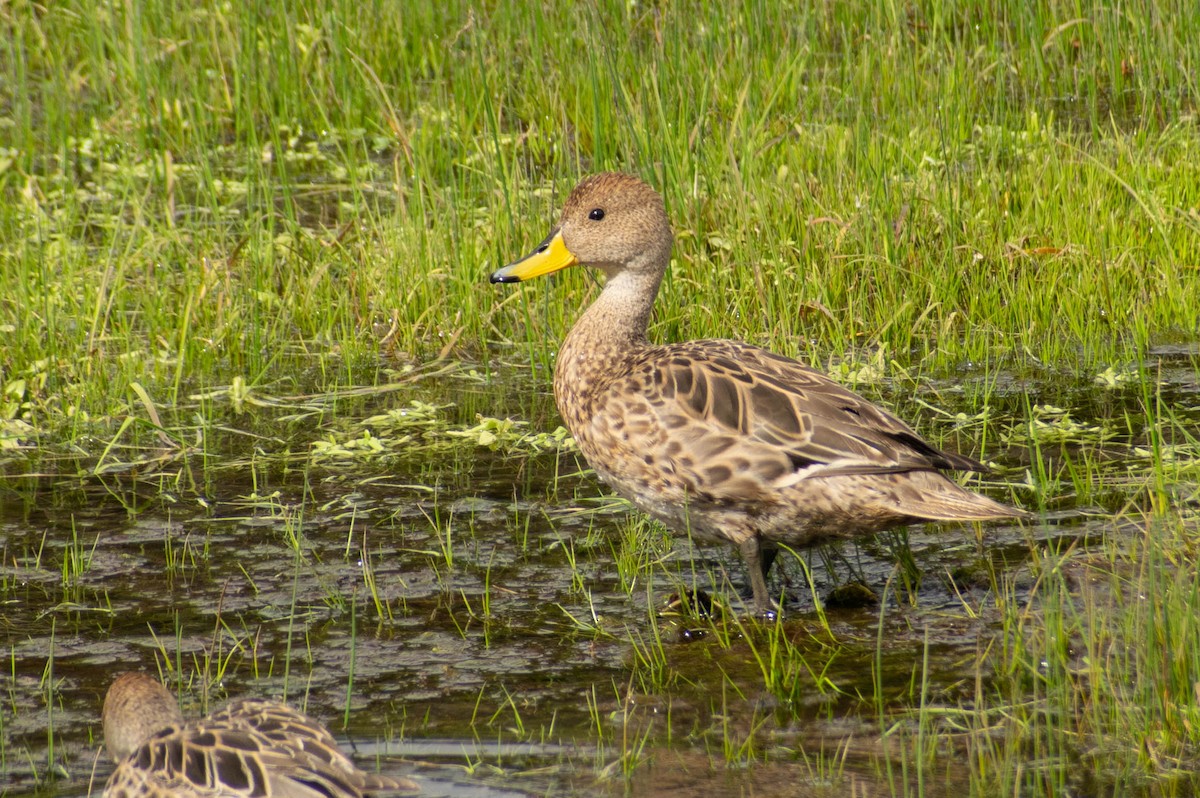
point(614, 222)
point(135, 708)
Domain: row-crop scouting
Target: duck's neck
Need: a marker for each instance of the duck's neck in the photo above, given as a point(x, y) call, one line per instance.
point(608, 333)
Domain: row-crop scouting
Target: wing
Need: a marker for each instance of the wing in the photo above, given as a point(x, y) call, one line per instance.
point(743, 422)
point(286, 729)
point(192, 761)
point(301, 754)
point(250, 749)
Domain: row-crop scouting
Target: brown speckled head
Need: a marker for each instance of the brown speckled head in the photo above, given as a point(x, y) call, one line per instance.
point(135, 708)
point(614, 221)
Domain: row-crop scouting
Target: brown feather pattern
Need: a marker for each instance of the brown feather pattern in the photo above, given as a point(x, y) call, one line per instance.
point(250, 749)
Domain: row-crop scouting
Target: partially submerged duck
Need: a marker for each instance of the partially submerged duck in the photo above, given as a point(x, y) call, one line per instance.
point(723, 439)
point(251, 748)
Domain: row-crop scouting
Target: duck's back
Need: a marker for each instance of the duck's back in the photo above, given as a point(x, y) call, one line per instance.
point(716, 432)
point(250, 749)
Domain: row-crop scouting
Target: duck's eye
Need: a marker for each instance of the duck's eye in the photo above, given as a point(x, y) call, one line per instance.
point(596, 215)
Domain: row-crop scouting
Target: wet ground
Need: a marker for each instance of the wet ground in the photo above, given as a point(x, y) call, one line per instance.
point(478, 613)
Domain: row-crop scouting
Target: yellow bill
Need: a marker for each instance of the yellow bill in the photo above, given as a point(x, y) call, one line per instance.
point(550, 256)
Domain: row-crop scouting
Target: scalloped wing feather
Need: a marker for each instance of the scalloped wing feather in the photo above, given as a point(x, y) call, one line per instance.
point(193, 760)
point(731, 422)
point(250, 749)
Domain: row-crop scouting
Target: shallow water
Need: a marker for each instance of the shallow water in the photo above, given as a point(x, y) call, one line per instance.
point(479, 615)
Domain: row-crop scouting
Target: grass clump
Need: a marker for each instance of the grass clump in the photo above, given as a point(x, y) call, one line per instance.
point(1099, 691)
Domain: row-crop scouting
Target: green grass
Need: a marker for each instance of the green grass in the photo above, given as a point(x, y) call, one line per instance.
point(193, 193)
point(214, 220)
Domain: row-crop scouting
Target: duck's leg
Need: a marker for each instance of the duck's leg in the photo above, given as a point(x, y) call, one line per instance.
point(758, 562)
point(768, 555)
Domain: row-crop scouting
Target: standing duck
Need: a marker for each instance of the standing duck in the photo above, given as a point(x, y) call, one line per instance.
point(723, 439)
point(250, 749)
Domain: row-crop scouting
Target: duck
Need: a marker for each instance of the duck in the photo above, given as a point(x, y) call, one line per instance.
point(249, 749)
point(720, 439)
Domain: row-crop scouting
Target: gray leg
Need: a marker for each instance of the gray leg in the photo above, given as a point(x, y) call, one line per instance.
point(758, 561)
point(768, 555)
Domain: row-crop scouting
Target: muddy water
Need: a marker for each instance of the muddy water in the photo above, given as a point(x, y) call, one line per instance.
point(471, 614)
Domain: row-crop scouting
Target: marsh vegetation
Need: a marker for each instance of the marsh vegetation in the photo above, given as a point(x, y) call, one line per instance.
point(265, 428)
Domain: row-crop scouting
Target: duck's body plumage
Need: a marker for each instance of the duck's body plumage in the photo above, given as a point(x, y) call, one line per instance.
point(250, 749)
point(722, 439)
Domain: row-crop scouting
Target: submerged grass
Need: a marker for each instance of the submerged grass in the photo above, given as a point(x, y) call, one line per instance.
point(214, 218)
point(1099, 680)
